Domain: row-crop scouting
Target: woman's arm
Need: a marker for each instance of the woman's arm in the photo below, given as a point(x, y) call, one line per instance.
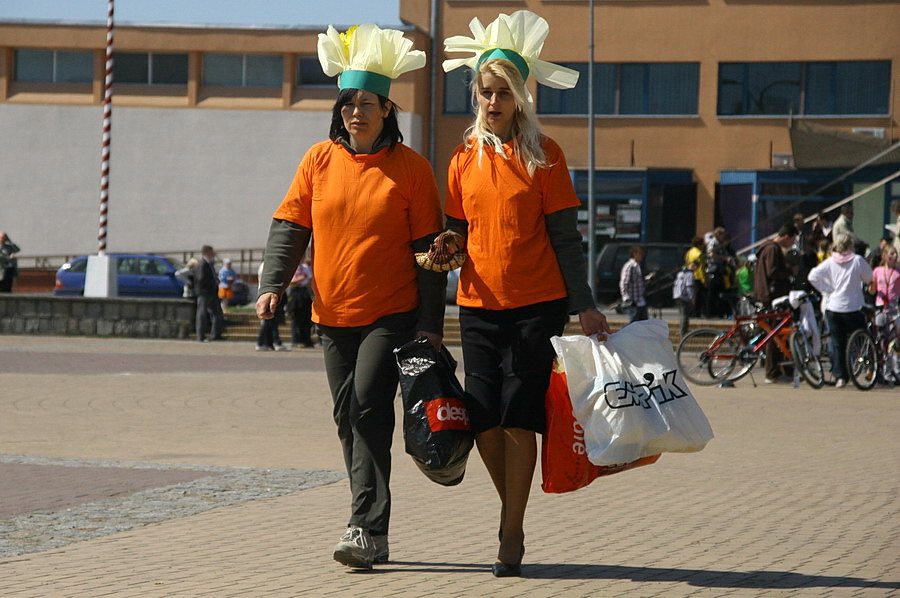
point(285, 248)
point(562, 228)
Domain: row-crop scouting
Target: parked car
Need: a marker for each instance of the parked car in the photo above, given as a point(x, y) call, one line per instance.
point(665, 259)
point(139, 275)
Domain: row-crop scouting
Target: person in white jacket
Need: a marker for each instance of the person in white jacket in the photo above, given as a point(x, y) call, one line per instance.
point(841, 278)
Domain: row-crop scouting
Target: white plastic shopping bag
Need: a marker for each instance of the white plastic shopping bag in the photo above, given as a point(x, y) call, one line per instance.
point(628, 395)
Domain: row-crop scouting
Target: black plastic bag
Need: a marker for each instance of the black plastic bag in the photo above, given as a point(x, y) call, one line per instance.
point(436, 427)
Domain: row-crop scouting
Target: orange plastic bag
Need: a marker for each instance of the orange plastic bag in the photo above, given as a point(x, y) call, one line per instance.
point(564, 463)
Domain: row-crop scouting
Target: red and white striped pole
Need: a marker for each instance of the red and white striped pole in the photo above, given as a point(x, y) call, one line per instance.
point(107, 129)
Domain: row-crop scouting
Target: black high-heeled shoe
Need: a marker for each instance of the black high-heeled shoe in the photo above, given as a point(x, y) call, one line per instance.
point(501, 569)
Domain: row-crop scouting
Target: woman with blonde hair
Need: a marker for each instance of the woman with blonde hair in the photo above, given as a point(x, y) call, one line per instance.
point(511, 204)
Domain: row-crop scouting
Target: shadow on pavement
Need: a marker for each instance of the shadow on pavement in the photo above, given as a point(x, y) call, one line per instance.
point(702, 578)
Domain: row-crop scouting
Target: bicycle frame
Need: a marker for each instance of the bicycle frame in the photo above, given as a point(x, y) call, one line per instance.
point(785, 320)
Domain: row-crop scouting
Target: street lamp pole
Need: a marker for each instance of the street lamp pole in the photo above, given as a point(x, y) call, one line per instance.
point(592, 207)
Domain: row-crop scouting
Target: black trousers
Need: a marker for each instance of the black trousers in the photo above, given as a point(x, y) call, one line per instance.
point(363, 377)
point(209, 317)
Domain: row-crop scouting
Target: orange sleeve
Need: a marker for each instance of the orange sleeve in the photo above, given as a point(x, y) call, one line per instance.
point(297, 203)
point(453, 207)
point(557, 189)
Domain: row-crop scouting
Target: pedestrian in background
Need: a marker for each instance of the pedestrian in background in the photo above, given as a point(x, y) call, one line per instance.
point(210, 320)
point(269, 338)
point(300, 302)
point(841, 278)
point(186, 275)
point(697, 253)
point(510, 201)
point(719, 262)
point(9, 266)
point(773, 279)
point(369, 297)
point(683, 293)
point(632, 285)
point(227, 278)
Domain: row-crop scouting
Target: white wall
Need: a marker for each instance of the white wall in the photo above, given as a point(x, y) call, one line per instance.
point(179, 178)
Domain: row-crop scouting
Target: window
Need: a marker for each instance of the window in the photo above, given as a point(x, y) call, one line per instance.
point(804, 88)
point(242, 70)
point(457, 94)
point(632, 89)
point(150, 68)
point(848, 87)
point(54, 66)
point(309, 73)
point(760, 88)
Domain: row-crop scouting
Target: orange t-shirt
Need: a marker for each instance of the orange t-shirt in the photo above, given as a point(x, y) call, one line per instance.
point(364, 210)
point(511, 262)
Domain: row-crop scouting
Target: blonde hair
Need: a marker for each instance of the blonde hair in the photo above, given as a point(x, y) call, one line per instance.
point(526, 135)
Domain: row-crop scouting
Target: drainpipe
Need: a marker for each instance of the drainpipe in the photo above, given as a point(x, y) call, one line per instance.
point(432, 102)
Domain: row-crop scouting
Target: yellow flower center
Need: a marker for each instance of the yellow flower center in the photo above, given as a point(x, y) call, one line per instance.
point(346, 37)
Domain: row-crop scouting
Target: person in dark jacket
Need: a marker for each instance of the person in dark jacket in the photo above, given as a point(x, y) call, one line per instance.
point(206, 288)
point(773, 279)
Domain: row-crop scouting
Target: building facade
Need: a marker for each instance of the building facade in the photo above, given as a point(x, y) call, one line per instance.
point(209, 123)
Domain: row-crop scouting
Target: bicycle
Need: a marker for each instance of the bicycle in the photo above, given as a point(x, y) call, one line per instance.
point(872, 350)
point(708, 356)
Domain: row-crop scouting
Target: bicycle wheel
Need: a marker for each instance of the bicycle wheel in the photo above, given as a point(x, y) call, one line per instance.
point(805, 360)
point(701, 365)
point(862, 359)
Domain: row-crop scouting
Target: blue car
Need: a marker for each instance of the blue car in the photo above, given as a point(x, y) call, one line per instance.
point(140, 275)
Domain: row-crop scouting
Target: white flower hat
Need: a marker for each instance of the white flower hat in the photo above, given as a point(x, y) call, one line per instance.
point(519, 38)
point(367, 57)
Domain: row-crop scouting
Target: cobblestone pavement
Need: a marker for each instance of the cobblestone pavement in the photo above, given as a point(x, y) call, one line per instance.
point(796, 496)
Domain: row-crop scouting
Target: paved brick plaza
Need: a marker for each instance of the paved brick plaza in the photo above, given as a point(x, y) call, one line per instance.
point(796, 496)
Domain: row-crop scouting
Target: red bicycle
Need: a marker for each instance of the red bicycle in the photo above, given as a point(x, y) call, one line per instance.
point(708, 356)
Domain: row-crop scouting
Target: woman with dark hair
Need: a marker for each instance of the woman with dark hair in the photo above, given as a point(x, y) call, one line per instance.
point(511, 202)
point(371, 203)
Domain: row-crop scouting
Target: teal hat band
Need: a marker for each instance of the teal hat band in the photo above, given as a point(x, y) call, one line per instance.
point(509, 55)
point(374, 82)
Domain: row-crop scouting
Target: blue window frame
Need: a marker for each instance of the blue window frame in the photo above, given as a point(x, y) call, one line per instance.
point(628, 89)
point(848, 88)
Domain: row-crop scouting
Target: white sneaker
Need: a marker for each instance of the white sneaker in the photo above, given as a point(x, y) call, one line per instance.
point(840, 383)
point(355, 549)
point(263, 348)
point(281, 348)
point(382, 551)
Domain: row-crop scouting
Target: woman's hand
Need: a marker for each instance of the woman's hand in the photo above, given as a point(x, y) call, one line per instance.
point(266, 305)
point(434, 339)
point(593, 322)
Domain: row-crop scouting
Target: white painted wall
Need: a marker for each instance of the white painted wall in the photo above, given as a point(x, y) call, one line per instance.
point(179, 178)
